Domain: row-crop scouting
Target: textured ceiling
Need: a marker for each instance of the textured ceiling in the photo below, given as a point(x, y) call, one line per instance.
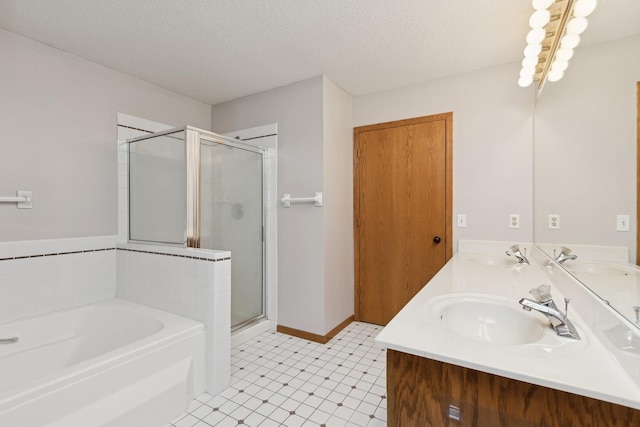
point(216, 50)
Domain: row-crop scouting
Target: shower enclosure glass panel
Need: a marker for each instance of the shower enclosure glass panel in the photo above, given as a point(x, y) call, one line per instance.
point(194, 188)
point(231, 206)
point(157, 189)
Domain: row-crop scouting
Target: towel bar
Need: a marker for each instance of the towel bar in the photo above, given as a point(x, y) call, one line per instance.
point(22, 198)
point(287, 199)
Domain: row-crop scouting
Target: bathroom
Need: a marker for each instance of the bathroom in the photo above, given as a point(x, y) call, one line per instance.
point(60, 113)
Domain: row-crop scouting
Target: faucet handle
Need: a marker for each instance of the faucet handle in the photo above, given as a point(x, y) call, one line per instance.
point(566, 307)
point(636, 308)
point(542, 293)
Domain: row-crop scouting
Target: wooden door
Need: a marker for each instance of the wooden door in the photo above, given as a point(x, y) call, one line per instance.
point(402, 212)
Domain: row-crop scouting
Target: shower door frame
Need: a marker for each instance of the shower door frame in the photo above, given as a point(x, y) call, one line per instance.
point(212, 139)
point(193, 140)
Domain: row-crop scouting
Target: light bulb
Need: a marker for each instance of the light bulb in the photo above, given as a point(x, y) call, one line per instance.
point(569, 41)
point(525, 81)
point(554, 76)
point(527, 72)
point(577, 26)
point(533, 49)
point(564, 54)
point(530, 62)
point(539, 18)
point(536, 36)
point(541, 4)
point(559, 65)
point(583, 8)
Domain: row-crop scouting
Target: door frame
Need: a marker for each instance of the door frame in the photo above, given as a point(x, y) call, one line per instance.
point(638, 174)
point(448, 233)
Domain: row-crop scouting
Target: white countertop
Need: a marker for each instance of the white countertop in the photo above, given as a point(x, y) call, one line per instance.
point(586, 367)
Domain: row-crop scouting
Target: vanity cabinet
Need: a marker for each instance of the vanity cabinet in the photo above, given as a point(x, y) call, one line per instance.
point(420, 392)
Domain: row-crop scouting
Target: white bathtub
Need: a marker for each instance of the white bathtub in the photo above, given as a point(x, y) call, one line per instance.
point(114, 363)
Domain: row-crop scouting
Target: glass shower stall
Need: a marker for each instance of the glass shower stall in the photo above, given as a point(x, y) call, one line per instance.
point(190, 187)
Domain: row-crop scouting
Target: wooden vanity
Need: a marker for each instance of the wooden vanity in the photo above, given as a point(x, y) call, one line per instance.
point(420, 390)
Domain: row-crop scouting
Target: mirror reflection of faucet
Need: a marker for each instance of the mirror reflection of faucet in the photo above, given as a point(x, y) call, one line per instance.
point(515, 252)
point(636, 308)
point(545, 305)
point(565, 255)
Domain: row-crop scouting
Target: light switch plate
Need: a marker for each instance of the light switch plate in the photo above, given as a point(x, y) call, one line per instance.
point(462, 220)
point(622, 223)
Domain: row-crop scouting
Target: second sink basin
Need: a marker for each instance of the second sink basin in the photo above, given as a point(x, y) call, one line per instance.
point(585, 267)
point(491, 320)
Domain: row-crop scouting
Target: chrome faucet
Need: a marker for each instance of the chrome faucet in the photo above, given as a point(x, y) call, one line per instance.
point(546, 306)
point(565, 255)
point(514, 251)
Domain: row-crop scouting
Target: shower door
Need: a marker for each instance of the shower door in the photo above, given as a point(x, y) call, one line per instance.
point(232, 218)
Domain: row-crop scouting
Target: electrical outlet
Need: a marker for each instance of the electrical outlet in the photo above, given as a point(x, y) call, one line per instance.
point(462, 220)
point(622, 223)
point(514, 221)
point(554, 222)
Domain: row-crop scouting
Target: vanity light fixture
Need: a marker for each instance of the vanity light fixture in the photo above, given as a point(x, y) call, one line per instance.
point(556, 26)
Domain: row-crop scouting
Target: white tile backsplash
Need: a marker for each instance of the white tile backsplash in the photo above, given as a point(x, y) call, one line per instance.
point(42, 276)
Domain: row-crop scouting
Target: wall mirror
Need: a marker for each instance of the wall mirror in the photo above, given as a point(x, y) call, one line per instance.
point(585, 157)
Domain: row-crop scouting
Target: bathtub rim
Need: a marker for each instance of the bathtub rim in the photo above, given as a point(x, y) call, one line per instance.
point(175, 328)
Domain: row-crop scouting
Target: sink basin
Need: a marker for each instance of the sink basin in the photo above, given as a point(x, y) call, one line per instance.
point(583, 267)
point(491, 320)
point(624, 339)
point(478, 321)
point(490, 260)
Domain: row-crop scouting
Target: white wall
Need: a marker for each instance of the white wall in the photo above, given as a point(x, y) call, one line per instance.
point(492, 144)
point(58, 116)
point(338, 204)
point(297, 109)
point(585, 147)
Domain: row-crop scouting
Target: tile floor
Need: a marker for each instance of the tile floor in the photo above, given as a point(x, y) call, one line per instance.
point(279, 380)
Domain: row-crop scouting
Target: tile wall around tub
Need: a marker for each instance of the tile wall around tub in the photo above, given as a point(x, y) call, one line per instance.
point(193, 283)
point(42, 276)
